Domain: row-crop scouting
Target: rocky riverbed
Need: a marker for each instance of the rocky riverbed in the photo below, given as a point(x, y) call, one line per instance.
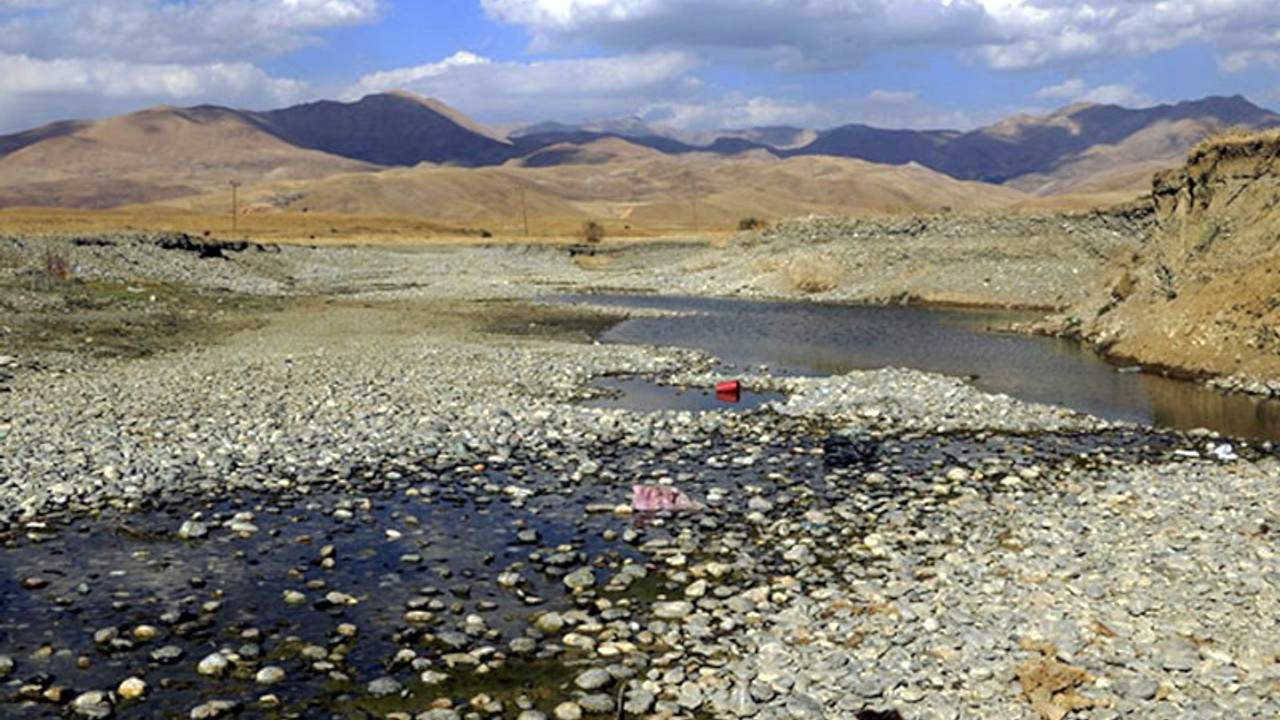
point(381, 495)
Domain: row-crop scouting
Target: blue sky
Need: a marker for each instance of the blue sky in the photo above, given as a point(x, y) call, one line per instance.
point(690, 64)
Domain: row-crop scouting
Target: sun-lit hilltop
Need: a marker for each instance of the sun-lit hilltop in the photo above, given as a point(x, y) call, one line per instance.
point(401, 155)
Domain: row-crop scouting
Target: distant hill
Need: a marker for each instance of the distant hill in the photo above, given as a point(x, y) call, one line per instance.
point(389, 129)
point(1042, 153)
point(625, 185)
point(150, 155)
point(165, 153)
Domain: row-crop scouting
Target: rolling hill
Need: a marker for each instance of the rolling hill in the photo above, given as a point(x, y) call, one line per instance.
point(627, 187)
point(1082, 146)
point(336, 156)
point(154, 154)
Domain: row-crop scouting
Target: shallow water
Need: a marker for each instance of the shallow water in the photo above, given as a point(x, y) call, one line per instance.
point(822, 339)
point(641, 395)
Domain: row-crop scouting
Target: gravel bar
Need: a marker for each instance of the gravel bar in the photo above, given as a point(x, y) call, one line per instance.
point(880, 544)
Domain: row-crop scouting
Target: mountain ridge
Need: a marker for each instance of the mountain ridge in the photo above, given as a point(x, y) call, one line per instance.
point(164, 152)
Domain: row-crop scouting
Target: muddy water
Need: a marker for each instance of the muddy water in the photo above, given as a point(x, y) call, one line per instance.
point(808, 338)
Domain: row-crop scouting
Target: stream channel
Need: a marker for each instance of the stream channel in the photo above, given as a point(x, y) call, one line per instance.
point(416, 585)
point(829, 339)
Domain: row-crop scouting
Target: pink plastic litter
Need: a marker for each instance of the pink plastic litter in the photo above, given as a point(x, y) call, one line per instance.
point(659, 497)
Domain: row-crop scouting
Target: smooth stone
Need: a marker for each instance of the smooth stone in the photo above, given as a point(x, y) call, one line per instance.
point(192, 530)
point(215, 709)
point(568, 710)
point(132, 688)
point(549, 623)
point(213, 664)
point(269, 675)
point(1143, 688)
point(597, 703)
point(580, 579)
point(639, 702)
point(740, 703)
point(94, 704)
point(593, 679)
point(690, 695)
point(384, 687)
point(1178, 654)
point(432, 677)
point(168, 654)
point(440, 714)
point(672, 610)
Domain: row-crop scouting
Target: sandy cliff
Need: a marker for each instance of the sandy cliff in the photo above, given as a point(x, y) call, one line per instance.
point(1202, 293)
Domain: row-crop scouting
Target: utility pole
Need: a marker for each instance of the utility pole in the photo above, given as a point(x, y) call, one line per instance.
point(524, 211)
point(693, 202)
point(235, 185)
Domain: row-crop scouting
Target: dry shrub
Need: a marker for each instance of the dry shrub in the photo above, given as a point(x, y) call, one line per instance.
point(592, 231)
point(56, 266)
point(1053, 687)
point(1233, 143)
point(812, 275)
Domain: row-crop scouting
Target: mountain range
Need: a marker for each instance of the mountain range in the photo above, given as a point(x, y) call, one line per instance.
point(393, 152)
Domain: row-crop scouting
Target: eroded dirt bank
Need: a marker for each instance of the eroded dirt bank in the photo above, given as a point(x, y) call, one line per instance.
point(1201, 293)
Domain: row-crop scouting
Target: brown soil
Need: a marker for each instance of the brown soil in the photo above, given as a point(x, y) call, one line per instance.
point(1202, 294)
point(108, 320)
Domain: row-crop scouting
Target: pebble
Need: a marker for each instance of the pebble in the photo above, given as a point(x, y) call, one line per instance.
point(568, 710)
point(593, 679)
point(385, 686)
point(580, 579)
point(269, 675)
point(214, 709)
point(214, 664)
point(192, 530)
point(672, 610)
point(131, 688)
point(94, 704)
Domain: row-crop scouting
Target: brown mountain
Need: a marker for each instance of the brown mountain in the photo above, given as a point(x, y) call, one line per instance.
point(166, 153)
point(154, 154)
point(389, 129)
point(169, 152)
point(1078, 147)
point(625, 186)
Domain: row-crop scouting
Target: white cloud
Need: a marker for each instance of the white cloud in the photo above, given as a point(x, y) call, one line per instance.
point(825, 34)
point(70, 58)
point(1242, 60)
point(151, 31)
point(881, 108)
point(559, 89)
point(32, 90)
point(1075, 90)
point(807, 34)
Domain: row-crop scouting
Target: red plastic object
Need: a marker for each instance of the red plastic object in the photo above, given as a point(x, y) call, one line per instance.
point(729, 391)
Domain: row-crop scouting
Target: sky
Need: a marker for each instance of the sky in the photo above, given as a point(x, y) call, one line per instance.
point(694, 65)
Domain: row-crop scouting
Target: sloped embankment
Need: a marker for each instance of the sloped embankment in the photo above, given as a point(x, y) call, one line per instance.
point(1202, 294)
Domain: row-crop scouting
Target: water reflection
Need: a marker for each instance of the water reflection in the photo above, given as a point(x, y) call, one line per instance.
point(804, 338)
